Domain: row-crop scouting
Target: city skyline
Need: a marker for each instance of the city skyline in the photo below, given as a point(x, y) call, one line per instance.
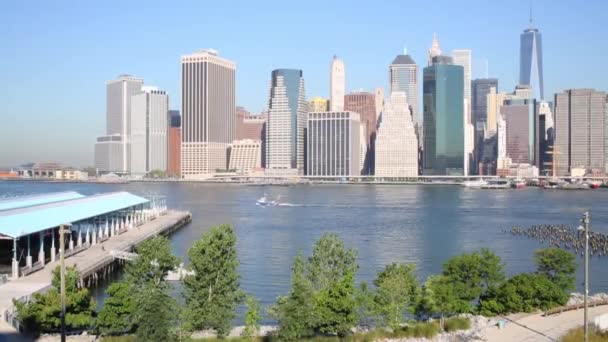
point(83, 115)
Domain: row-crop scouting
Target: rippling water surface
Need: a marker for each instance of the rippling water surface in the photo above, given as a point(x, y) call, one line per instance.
point(423, 224)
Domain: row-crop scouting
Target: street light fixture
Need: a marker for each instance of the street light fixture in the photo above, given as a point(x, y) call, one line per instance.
point(64, 228)
point(585, 229)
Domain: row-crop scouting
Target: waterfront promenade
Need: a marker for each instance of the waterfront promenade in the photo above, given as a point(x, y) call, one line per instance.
point(536, 327)
point(88, 261)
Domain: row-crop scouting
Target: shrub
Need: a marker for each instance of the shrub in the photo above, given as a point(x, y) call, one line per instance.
point(577, 334)
point(457, 323)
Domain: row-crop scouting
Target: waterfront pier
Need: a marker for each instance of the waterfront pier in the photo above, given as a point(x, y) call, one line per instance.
point(100, 225)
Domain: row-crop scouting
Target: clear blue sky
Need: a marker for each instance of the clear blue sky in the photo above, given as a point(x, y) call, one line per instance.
point(57, 55)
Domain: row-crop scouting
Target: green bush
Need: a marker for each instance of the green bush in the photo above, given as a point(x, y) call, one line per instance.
point(417, 329)
point(457, 323)
point(578, 334)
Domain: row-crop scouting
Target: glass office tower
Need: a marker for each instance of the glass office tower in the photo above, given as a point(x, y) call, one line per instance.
point(443, 98)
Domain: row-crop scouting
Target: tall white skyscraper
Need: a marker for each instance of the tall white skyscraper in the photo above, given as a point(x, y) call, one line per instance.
point(149, 121)
point(337, 85)
point(463, 58)
point(287, 109)
point(396, 142)
point(208, 112)
point(118, 119)
point(403, 77)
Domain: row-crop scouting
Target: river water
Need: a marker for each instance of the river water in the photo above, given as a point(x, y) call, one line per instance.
point(422, 224)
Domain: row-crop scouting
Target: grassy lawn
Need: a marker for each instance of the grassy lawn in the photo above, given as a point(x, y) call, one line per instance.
point(578, 334)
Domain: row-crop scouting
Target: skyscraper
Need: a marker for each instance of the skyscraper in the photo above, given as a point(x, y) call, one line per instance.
point(444, 126)
point(396, 142)
point(287, 108)
point(480, 88)
point(531, 61)
point(494, 102)
point(403, 77)
point(519, 115)
point(545, 138)
point(332, 144)
point(580, 124)
point(115, 158)
point(337, 84)
point(364, 103)
point(148, 131)
point(379, 92)
point(435, 50)
point(208, 112)
point(174, 144)
point(462, 57)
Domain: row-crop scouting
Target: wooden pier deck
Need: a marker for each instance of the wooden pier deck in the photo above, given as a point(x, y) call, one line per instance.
point(90, 262)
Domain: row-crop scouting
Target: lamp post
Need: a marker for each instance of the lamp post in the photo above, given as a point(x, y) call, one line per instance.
point(585, 229)
point(62, 230)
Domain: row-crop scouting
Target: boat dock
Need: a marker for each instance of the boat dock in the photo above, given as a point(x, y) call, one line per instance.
point(95, 259)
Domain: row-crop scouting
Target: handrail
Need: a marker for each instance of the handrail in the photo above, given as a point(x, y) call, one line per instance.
point(571, 307)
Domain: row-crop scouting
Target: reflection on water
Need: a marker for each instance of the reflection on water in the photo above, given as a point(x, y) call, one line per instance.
point(386, 223)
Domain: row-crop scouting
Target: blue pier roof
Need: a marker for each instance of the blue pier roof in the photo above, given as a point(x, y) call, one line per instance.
point(19, 222)
point(28, 201)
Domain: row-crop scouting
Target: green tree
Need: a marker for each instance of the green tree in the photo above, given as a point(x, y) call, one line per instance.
point(42, 314)
point(146, 275)
point(365, 304)
point(155, 314)
point(439, 299)
point(153, 262)
point(330, 261)
point(472, 275)
point(397, 293)
point(322, 297)
point(337, 306)
point(295, 312)
point(523, 293)
point(117, 314)
point(558, 265)
point(252, 317)
point(213, 292)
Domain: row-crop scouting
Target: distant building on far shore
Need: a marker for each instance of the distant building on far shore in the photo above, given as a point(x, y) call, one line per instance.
point(208, 112)
point(245, 156)
point(396, 142)
point(332, 145)
point(580, 132)
point(318, 104)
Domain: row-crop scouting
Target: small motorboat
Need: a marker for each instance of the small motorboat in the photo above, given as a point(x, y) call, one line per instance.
point(265, 202)
point(475, 184)
point(496, 184)
point(518, 184)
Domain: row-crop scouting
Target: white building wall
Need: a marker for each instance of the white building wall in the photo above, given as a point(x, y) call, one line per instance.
point(337, 85)
point(333, 144)
point(208, 112)
point(138, 135)
point(157, 130)
point(245, 156)
point(396, 142)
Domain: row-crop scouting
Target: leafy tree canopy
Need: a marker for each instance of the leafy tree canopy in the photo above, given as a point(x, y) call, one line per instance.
point(558, 265)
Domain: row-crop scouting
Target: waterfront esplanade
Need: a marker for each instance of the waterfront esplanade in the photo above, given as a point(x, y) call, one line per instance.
point(29, 225)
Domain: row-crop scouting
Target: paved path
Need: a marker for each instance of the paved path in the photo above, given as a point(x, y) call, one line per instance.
point(540, 328)
point(86, 261)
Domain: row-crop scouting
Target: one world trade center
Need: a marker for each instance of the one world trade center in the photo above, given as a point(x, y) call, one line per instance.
point(531, 61)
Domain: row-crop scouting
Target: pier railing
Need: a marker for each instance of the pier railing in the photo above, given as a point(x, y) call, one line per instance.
point(571, 307)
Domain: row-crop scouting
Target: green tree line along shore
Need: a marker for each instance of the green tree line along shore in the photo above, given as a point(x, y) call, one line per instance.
point(324, 300)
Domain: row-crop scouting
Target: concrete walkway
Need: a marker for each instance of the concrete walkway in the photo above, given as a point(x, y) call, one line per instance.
point(85, 261)
point(535, 327)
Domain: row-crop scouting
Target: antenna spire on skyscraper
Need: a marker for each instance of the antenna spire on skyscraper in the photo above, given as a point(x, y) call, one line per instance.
point(530, 13)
